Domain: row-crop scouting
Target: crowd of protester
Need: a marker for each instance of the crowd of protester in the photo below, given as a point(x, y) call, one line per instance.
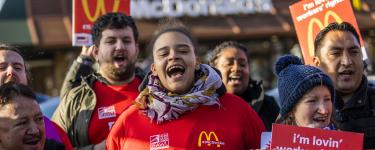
point(106, 102)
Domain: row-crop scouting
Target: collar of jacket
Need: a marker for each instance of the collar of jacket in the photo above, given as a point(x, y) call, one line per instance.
point(254, 94)
point(359, 99)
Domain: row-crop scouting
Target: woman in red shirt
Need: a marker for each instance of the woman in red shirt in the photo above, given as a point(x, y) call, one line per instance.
point(183, 104)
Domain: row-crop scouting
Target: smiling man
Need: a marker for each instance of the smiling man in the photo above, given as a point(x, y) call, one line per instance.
point(88, 111)
point(21, 120)
point(338, 54)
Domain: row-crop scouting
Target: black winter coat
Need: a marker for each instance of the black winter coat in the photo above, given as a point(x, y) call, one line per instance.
point(358, 114)
point(266, 106)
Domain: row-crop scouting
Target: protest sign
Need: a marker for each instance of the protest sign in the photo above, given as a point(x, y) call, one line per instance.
point(85, 12)
point(286, 137)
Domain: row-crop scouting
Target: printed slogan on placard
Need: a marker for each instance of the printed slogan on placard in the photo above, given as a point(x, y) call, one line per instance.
point(285, 137)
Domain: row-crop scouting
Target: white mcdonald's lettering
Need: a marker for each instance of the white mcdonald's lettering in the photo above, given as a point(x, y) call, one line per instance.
point(310, 36)
point(208, 138)
point(99, 10)
point(195, 8)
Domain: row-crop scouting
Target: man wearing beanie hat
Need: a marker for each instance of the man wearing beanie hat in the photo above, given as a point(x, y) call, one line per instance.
point(306, 94)
point(338, 53)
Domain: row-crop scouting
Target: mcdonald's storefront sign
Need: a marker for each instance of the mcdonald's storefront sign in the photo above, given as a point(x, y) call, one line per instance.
point(210, 139)
point(85, 12)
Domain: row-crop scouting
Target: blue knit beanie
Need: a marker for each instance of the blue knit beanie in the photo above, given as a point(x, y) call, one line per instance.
point(295, 79)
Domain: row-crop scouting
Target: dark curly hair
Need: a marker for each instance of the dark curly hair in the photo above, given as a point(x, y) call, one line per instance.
point(10, 90)
point(112, 21)
point(219, 48)
point(344, 26)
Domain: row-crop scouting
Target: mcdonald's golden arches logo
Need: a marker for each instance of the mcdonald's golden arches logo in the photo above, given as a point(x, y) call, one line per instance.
point(208, 139)
point(310, 36)
point(99, 9)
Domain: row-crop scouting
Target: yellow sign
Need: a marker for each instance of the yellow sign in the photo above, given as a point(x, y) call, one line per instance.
point(99, 10)
point(310, 35)
point(208, 138)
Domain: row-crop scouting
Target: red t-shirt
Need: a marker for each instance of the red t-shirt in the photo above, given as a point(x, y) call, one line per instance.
point(233, 125)
point(111, 101)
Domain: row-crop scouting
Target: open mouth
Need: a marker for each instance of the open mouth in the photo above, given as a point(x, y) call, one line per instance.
point(119, 58)
point(175, 70)
point(346, 72)
point(346, 75)
point(31, 141)
point(234, 78)
point(320, 119)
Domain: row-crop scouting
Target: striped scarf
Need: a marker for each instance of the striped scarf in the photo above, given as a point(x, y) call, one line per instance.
point(160, 105)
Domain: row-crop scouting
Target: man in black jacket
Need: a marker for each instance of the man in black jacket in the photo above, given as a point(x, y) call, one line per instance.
point(338, 53)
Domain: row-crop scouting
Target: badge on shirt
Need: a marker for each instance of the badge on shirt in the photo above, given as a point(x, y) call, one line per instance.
point(159, 141)
point(110, 125)
point(106, 112)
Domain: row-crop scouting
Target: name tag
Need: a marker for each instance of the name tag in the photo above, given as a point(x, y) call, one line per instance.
point(160, 141)
point(107, 112)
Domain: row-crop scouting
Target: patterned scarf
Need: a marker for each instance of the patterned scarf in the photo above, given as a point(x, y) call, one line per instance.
point(160, 105)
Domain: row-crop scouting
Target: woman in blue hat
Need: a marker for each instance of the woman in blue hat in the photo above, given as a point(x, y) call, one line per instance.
point(306, 94)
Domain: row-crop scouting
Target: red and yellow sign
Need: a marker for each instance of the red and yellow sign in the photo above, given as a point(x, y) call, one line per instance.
point(85, 12)
point(293, 137)
point(310, 16)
